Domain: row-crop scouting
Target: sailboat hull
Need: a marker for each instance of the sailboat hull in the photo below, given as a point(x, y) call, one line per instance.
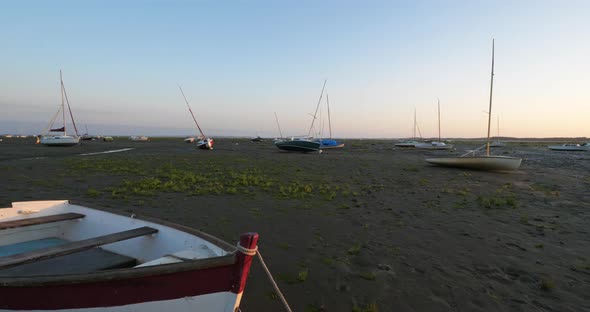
point(60, 140)
point(304, 146)
point(489, 163)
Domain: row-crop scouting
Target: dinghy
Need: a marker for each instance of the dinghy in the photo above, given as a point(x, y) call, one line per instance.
point(58, 255)
point(487, 162)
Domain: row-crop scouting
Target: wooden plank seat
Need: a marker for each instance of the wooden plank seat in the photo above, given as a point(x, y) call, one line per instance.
point(39, 220)
point(95, 259)
point(72, 247)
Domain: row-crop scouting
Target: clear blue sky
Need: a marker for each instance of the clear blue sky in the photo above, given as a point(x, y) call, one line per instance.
point(241, 61)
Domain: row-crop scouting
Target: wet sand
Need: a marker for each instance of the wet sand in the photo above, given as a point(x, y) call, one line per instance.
point(366, 228)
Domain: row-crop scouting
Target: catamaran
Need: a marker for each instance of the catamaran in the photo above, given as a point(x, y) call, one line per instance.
point(487, 162)
point(64, 139)
point(204, 142)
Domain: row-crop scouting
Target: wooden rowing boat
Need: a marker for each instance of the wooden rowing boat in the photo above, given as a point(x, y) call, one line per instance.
point(56, 255)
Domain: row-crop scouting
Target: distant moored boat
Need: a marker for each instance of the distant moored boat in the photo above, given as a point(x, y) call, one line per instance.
point(64, 139)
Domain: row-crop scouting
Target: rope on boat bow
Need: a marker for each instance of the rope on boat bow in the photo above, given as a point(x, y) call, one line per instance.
point(255, 251)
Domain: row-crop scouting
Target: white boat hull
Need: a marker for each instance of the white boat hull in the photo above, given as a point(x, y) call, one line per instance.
point(570, 147)
point(491, 163)
point(435, 146)
point(60, 140)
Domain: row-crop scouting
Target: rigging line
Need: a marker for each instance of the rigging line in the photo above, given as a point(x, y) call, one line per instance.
point(317, 107)
point(191, 111)
point(278, 125)
point(69, 108)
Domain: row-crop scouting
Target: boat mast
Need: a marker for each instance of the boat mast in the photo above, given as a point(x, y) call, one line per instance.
point(191, 111)
point(438, 102)
point(65, 94)
point(316, 108)
point(490, 109)
point(414, 130)
point(63, 110)
point(329, 119)
point(278, 125)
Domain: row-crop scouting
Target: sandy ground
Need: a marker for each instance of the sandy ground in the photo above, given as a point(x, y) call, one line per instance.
point(365, 228)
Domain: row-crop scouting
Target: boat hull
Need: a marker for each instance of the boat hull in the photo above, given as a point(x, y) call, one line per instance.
point(570, 148)
point(60, 140)
point(490, 163)
point(205, 144)
point(328, 143)
point(298, 146)
point(435, 146)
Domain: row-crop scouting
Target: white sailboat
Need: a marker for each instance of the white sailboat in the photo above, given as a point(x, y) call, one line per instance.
point(436, 145)
point(487, 162)
point(498, 143)
point(571, 147)
point(204, 142)
point(62, 139)
point(412, 142)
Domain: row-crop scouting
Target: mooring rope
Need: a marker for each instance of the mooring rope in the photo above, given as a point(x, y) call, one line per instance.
point(255, 251)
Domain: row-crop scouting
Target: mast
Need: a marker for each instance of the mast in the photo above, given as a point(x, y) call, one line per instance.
point(278, 125)
point(490, 109)
point(414, 130)
point(329, 119)
point(316, 108)
point(191, 111)
point(63, 110)
point(438, 102)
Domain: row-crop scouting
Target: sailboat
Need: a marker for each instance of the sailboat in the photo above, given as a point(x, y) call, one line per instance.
point(204, 142)
point(329, 143)
point(64, 139)
point(302, 144)
point(498, 143)
point(487, 162)
point(412, 142)
point(436, 145)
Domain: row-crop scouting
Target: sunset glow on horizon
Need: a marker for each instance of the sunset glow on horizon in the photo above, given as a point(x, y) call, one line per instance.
point(240, 62)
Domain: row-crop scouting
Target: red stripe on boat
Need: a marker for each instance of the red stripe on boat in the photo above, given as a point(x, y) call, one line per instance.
point(119, 292)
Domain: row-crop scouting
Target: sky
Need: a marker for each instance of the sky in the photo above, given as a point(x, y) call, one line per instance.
point(240, 62)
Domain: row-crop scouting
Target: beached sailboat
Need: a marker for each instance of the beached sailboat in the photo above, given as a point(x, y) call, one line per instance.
point(329, 143)
point(57, 255)
point(303, 144)
point(436, 145)
point(412, 142)
point(571, 147)
point(204, 142)
point(487, 162)
point(139, 138)
point(498, 143)
point(64, 139)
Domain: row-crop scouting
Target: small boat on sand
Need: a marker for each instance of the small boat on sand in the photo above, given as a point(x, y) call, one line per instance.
point(584, 147)
point(487, 162)
point(204, 142)
point(57, 255)
point(436, 145)
point(139, 138)
point(294, 144)
point(64, 139)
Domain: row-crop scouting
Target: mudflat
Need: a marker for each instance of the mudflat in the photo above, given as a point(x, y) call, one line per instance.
point(368, 227)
